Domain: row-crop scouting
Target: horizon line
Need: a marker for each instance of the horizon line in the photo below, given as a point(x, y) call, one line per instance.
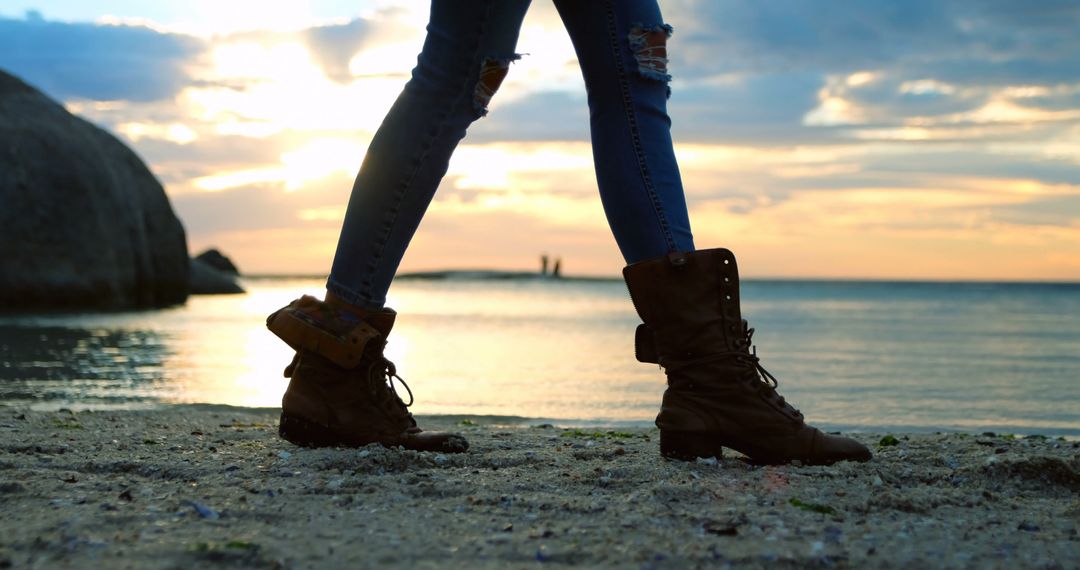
point(480, 274)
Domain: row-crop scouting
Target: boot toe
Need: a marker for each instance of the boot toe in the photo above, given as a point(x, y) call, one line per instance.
point(834, 448)
point(436, 441)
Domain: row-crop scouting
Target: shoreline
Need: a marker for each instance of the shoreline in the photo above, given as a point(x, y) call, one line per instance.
point(1020, 432)
point(213, 485)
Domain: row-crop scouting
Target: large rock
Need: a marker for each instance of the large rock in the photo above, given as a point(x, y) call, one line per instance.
point(212, 273)
point(206, 279)
point(214, 258)
point(83, 222)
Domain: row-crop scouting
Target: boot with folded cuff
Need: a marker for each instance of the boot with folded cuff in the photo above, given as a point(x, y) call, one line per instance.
point(341, 390)
point(718, 393)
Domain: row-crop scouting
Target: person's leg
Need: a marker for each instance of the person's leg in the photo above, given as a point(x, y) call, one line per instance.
point(469, 47)
point(718, 394)
point(342, 388)
point(621, 45)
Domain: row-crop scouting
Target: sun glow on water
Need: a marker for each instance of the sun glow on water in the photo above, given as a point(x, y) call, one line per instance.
point(916, 356)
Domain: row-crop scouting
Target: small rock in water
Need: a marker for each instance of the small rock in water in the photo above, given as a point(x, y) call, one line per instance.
point(1027, 527)
point(363, 454)
point(284, 454)
point(707, 461)
point(441, 459)
point(877, 482)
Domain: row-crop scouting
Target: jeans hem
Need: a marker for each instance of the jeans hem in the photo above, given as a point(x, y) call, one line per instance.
point(352, 297)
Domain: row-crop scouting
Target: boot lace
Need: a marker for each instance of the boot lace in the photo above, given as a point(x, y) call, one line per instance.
point(746, 354)
point(382, 378)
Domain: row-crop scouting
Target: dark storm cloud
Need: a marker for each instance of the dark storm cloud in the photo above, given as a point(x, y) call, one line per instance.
point(98, 62)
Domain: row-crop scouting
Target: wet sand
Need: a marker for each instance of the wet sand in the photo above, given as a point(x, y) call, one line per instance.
point(197, 486)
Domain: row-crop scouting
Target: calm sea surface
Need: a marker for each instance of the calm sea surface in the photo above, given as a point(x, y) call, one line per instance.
point(851, 355)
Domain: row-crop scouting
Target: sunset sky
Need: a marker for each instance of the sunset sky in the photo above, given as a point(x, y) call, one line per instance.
point(881, 139)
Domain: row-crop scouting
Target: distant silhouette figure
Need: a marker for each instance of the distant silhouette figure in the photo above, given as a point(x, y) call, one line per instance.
point(543, 264)
point(556, 271)
point(718, 394)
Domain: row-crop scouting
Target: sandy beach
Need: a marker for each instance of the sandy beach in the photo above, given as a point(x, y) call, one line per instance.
point(195, 486)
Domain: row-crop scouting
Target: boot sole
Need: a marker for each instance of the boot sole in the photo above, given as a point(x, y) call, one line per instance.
point(301, 432)
point(688, 446)
point(305, 433)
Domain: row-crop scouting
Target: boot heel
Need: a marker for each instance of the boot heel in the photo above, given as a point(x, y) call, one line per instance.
point(304, 433)
point(688, 446)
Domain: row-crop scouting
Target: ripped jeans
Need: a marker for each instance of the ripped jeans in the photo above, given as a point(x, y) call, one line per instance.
point(621, 46)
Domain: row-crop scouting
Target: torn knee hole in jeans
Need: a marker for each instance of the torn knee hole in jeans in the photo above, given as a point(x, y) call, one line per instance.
point(650, 50)
point(492, 72)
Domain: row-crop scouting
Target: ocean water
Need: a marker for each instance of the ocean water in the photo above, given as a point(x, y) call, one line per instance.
point(851, 355)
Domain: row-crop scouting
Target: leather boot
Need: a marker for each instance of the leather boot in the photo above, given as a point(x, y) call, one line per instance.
point(341, 389)
point(718, 394)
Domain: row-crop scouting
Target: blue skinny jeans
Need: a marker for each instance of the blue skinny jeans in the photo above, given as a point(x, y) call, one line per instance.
point(621, 46)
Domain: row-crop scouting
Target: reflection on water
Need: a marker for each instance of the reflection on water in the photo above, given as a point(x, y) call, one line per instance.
point(98, 366)
point(872, 355)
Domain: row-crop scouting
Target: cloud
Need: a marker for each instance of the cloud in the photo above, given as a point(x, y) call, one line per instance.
point(839, 36)
point(538, 116)
point(334, 46)
point(264, 206)
point(827, 36)
point(787, 73)
point(97, 62)
point(179, 164)
point(864, 126)
point(1042, 211)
